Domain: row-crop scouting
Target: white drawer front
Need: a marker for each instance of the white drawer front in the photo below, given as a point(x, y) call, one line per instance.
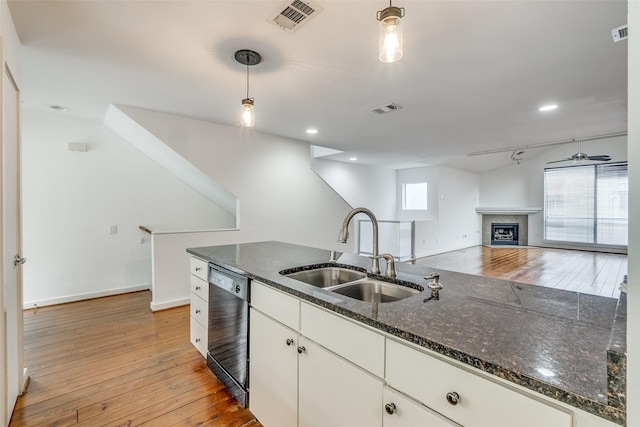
point(359, 345)
point(198, 268)
point(199, 337)
point(200, 310)
point(275, 304)
point(482, 403)
point(406, 412)
point(199, 287)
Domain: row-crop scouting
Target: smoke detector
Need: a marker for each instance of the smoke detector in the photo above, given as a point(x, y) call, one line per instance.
point(387, 108)
point(293, 14)
point(620, 33)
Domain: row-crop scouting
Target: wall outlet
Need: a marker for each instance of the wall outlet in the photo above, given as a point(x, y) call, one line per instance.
point(113, 229)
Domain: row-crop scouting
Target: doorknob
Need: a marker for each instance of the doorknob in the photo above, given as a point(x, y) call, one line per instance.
point(18, 260)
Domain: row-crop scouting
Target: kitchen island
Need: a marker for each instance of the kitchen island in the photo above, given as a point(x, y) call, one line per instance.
point(549, 341)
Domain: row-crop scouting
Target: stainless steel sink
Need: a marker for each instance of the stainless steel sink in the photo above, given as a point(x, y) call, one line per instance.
point(327, 276)
point(369, 290)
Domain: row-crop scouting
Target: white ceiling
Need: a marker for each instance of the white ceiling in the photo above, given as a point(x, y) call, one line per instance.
point(472, 77)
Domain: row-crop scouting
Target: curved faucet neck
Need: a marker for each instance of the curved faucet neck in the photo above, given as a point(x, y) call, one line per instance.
point(344, 234)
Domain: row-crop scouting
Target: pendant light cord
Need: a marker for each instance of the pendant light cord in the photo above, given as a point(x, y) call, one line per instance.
point(247, 80)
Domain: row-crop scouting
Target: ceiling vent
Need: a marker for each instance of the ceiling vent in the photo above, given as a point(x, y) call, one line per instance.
point(620, 33)
point(386, 108)
point(294, 14)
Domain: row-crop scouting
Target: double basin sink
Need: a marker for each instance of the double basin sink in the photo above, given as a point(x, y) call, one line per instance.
point(353, 284)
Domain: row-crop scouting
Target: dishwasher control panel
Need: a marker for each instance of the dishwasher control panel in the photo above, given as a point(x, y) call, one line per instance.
point(231, 282)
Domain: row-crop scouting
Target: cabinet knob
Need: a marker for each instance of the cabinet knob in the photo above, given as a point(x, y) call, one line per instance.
point(301, 350)
point(198, 288)
point(289, 341)
point(197, 339)
point(238, 289)
point(390, 408)
point(453, 398)
point(197, 311)
point(198, 269)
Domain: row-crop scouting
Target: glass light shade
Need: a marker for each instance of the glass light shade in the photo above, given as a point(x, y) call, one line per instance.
point(247, 117)
point(390, 43)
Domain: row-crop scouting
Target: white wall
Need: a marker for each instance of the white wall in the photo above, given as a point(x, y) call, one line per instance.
point(458, 224)
point(70, 199)
point(414, 175)
point(522, 185)
point(361, 186)
point(452, 198)
point(633, 338)
point(281, 198)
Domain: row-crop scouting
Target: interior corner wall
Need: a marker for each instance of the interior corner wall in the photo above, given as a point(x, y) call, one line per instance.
point(361, 186)
point(522, 185)
point(280, 196)
point(457, 225)
point(71, 199)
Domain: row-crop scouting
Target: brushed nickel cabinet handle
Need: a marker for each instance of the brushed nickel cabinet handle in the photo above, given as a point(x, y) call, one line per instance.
point(453, 398)
point(390, 408)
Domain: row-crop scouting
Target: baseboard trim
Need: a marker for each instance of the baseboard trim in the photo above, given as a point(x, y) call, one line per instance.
point(442, 251)
point(169, 304)
point(82, 297)
point(25, 381)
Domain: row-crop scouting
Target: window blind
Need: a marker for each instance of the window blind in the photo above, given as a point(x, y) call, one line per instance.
point(587, 204)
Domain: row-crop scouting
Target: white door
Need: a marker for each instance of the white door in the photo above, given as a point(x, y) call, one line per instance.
point(13, 376)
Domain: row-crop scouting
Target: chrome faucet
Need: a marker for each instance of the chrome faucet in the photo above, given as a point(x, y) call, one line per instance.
point(344, 235)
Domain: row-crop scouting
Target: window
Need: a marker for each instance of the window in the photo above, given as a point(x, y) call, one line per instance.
point(414, 196)
point(587, 204)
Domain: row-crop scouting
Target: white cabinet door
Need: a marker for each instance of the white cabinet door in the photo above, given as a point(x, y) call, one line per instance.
point(273, 372)
point(400, 411)
point(334, 392)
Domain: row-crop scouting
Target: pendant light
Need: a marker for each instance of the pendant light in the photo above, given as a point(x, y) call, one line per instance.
point(390, 34)
point(247, 57)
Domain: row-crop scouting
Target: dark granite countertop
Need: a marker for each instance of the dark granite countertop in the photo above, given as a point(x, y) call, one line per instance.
point(551, 341)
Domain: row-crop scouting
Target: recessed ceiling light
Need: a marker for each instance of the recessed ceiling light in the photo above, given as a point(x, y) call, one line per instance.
point(548, 107)
point(58, 108)
point(312, 131)
point(353, 159)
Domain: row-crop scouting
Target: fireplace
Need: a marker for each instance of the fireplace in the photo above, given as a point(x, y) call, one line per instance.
point(504, 234)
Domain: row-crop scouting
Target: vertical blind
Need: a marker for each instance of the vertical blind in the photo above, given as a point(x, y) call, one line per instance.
point(587, 204)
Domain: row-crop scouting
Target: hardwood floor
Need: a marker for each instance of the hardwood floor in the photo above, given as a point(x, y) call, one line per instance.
point(594, 273)
point(112, 362)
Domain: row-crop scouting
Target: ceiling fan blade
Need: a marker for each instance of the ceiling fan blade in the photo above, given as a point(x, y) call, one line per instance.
point(600, 157)
point(568, 159)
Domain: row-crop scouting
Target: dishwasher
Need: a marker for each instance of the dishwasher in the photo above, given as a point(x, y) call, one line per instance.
point(228, 330)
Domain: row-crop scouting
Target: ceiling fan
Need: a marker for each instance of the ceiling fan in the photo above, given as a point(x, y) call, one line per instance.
point(580, 156)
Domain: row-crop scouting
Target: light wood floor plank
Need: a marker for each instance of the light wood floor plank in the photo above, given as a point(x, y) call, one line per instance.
point(593, 273)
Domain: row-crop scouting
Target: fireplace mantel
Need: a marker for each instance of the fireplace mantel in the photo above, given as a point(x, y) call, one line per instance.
point(508, 211)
